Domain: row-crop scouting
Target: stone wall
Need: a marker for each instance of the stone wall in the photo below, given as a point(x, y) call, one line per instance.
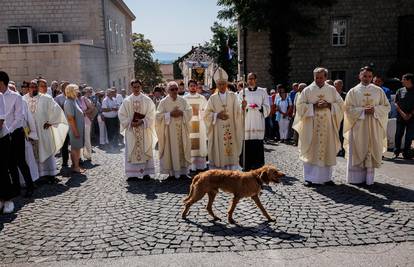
point(372, 39)
point(74, 62)
point(77, 19)
point(258, 57)
point(51, 61)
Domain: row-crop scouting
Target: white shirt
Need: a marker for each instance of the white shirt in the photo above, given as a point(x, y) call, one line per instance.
point(14, 110)
point(110, 103)
point(119, 99)
point(3, 130)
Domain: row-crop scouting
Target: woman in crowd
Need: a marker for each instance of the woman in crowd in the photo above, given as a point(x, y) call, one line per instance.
point(76, 121)
point(88, 110)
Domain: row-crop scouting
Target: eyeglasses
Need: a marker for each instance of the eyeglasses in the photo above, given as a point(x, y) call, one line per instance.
point(173, 89)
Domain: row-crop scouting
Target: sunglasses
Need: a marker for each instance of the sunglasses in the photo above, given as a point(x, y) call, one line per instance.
point(173, 89)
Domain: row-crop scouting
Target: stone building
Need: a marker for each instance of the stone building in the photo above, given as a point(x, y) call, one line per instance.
point(167, 71)
point(82, 41)
point(352, 34)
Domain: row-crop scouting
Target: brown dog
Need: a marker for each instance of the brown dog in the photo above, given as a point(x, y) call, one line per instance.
point(240, 184)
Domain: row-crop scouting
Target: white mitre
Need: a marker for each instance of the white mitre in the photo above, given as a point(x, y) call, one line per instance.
point(220, 75)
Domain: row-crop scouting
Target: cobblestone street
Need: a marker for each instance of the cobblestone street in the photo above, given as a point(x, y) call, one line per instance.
point(101, 215)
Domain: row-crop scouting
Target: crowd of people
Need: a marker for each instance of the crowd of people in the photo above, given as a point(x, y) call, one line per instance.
point(193, 129)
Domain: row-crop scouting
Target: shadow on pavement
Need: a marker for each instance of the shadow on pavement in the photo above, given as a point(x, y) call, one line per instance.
point(150, 188)
point(346, 194)
point(262, 229)
point(392, 192)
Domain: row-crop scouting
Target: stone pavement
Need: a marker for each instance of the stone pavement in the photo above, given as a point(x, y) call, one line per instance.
point(101, 215)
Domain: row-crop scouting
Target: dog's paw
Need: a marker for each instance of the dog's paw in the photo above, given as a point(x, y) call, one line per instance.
point(232, 221)
point(216, 219)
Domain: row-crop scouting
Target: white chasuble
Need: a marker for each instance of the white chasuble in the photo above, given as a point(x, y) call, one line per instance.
point(139, 141)
point(225, 137)
point(198, 135)
point(45, 110)
point(173, 134)
point(318, 131)
point(365, 135)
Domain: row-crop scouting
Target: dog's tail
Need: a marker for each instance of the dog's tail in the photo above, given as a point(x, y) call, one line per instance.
point(190, 194)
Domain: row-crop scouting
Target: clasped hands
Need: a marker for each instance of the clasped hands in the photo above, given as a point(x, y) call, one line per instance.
point(252, 106)
point(137, 123)
point(369, 110)
point(222, 115)
point(176, 113)
point(322, 104)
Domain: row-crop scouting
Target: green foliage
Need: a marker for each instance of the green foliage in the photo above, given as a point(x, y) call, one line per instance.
point(280, 18)
point(217, 48)
point(146, 68)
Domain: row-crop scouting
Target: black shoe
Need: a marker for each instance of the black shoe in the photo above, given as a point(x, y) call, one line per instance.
point(329, 183)
point(184, 177)
point(53, 180)
point(29, 192)
point(132, 179)
point(146, 178)
point(170, 178)
point(308, 184)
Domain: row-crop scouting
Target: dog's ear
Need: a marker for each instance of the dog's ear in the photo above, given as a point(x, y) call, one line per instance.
point(264, 176)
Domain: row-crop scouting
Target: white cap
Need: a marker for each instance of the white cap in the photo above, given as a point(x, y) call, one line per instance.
point(220, 75)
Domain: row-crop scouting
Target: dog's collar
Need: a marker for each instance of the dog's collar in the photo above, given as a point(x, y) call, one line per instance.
point(259, 181)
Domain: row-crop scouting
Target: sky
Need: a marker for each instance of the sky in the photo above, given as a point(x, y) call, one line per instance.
point(174, 25)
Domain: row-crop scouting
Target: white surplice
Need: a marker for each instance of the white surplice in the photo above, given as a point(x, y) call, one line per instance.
point(255, 116)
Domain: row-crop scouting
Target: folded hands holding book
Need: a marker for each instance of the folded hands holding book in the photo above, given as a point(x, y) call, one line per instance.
point(137, 119)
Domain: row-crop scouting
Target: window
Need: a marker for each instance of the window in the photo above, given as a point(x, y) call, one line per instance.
point(111, 46)
point(119, 83)
point(339, 32)
point(19, 35)
point(117, 38)
point(121, 40)
point(125, 83)
point(113, 83)
point(52, 37)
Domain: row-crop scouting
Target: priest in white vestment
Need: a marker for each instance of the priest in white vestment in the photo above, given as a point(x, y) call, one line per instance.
point(30, 131)
point(137, 118)
point(198, 134)
point(257, 108)
point(365, 129)
point(51, 126)
point(223, 118)
point(319, 112)
point(173, 131)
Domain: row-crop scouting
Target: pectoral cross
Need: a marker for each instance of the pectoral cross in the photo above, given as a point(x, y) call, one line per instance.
point(321, 97)
point(368, 102)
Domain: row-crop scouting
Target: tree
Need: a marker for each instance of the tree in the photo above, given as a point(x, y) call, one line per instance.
point(281, 19)
point(223, 39)
point(146, 68)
